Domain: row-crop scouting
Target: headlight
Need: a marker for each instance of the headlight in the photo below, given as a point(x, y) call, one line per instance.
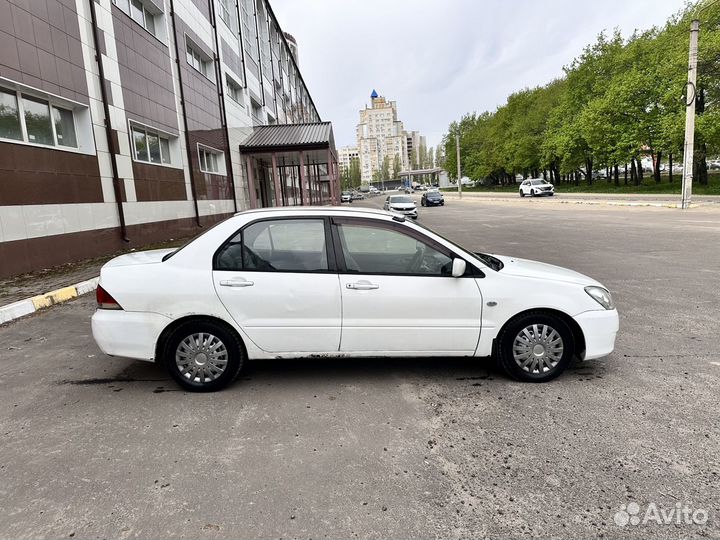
point(601, 296)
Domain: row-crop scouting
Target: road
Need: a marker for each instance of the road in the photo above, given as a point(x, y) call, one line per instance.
point(593, 197)
point(99, 447)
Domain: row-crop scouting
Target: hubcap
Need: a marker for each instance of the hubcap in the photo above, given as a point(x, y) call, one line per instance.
point(201, 357)
point(538, 348)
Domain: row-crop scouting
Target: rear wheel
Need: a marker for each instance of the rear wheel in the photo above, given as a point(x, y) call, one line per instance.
point(203, 356)
point(535, 347)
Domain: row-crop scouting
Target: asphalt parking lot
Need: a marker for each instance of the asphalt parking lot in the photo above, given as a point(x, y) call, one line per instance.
point(95, 447)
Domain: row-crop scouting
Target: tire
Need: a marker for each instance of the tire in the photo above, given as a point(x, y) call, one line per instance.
point(422, 203)
point(552, 194)
point(195, 336)
point(522, 193)
point(532, 192)
point(442, 203)
point(538, 368)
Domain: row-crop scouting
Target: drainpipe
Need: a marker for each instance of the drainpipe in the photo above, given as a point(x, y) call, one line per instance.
point(108, 127)
point(221, 97)
point(184, 113)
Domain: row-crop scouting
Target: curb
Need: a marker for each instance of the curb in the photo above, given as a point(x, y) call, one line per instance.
point(28, 306)
point(590, 202)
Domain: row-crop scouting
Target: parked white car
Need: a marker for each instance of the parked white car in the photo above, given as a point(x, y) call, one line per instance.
point(300, 282)
point(536, 187)
point(401, 204)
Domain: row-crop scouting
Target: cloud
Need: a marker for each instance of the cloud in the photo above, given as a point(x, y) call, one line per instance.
point(440, 59)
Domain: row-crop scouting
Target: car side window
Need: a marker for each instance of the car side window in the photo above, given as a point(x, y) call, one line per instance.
point(287, 245)
point(371, 249)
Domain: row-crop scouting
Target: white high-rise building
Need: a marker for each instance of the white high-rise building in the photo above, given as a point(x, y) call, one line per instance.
point(380, 134)
point(345, 156)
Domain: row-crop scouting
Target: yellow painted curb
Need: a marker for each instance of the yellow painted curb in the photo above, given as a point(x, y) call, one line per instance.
point(54, 297)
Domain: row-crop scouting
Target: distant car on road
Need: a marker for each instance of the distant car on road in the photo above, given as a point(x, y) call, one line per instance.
point(401, 204)
point(357, 196)
point(299, 282)
point(373, 190)
point(432, 198)
point(536, 187)
point(346, 196)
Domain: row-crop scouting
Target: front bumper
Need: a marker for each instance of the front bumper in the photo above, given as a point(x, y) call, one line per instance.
point(600, 329)
point(127, 333)
point(411, 212)
point(428, 202)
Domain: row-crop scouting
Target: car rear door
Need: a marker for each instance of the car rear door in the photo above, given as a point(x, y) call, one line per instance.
point(280, 286)
point(398, 294)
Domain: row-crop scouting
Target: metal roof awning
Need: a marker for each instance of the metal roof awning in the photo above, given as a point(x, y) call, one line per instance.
point(288, 137)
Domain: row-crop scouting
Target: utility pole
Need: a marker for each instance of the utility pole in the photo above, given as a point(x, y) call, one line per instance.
point(691, 94)
point(457, 149)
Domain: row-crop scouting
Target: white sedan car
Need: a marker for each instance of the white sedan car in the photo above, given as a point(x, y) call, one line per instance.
point(536, 187)
point(301, 282)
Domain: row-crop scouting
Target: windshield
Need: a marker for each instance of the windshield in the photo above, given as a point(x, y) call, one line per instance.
point(400, 199)
point(536, 182)
point(433, 194)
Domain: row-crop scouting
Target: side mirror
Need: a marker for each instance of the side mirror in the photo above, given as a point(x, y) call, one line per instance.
point(458, 267)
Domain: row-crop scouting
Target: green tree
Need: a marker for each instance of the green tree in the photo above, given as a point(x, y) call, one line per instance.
point(396, 167)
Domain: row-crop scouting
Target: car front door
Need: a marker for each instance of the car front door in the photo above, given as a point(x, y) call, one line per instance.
point(280, 286)
point(398, 294)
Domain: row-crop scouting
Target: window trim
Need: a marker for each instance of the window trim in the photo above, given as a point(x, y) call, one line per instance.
point(145, 13)
point(231, 80)
point(218, 153)
point(329, 247)
point(133, 124)
point(52, 101)
point(208, 62)
point(470, 270)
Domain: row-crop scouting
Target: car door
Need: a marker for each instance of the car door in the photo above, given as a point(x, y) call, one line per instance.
point(280, 286)
point(398, 294)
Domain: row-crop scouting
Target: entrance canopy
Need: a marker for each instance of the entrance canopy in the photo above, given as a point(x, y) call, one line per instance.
point(291, 164)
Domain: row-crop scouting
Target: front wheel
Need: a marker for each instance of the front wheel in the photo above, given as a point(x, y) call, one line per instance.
point(203, 356)
point(522, 193)
point(532, 192)
point(535, 347)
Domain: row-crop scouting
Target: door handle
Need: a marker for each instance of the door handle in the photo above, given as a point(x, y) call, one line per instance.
point(362, 286)
point(237, 283)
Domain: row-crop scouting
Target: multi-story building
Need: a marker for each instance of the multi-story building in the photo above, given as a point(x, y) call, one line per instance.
point(124, 122)
point(414, 142)
point(380, 134)
point(345, 156)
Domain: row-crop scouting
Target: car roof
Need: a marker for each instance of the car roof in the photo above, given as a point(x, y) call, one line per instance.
point(316, 211)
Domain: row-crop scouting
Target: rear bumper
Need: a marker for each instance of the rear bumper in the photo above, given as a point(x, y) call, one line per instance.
point(600, 329)
point(126, 333)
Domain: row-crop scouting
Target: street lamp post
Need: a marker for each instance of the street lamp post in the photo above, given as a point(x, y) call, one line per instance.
point(689, 146)
point(457, 148)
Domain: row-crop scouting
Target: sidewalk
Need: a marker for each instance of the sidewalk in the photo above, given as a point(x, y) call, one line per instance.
point(624, 199)
point(30, 292)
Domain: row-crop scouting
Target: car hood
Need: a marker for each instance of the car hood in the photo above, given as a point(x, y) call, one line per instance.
point(403, 206)
point(139, 257)
point(540, 270)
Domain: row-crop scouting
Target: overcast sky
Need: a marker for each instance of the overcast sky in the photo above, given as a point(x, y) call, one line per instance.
point(442, 58)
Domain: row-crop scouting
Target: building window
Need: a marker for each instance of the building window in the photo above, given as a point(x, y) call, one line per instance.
point(199, 60)
point(35, 120)
point(234, 91)
point(211, 160)
point(139, 13)
point(228, 13)
point(151, 147)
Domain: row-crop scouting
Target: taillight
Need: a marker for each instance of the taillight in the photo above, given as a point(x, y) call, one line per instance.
point(104, 300)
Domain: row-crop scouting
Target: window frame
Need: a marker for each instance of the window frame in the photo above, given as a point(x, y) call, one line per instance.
point(51, 104)
point(145, 14)
point(206, 63)
point(470, 270)
point(219, 157)
point(330, 252)
point(229, 83)
point(134, 126)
